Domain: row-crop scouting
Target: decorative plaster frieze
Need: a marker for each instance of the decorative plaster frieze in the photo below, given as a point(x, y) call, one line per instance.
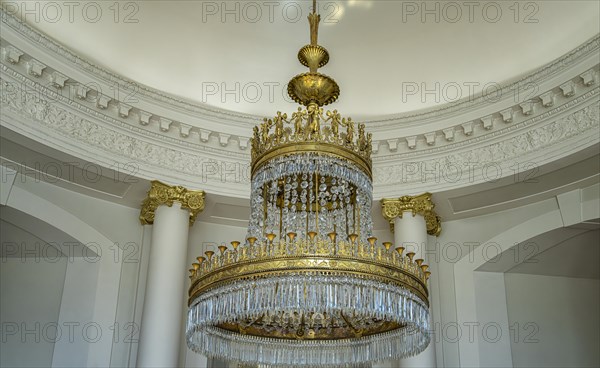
point(526, 109)
point(390, 126)
point(47, 43)
point(88, 93)
point(50, 46)
point(178, 162)
point(146, 136)
point(587, 49)
point(52, 117)
point(527, 142)
point(89, 135)
point(508, 130)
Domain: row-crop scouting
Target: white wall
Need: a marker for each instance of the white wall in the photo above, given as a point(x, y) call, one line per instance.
point(466, 245)
point(491, 323)
point(32, 274)
point(30, 294)
point(115, 288)
point(555, 321)
point(101, 295)
point(454, 258)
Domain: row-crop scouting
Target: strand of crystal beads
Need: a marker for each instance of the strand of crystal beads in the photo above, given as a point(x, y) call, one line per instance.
point(297, 218)
point(285, 220)
point(254, 225)
point(307, 163)
point(326, 295)
point(336, 184)
point(329, 292)
point(350, 217)
point(272, 211)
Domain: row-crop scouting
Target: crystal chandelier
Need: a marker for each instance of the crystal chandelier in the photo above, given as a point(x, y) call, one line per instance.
point(310, 286)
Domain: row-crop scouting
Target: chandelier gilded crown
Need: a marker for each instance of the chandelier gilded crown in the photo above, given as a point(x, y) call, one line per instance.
point(310, 285)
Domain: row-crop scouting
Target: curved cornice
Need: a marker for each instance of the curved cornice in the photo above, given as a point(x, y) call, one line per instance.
point(44, 86)
point(529, 86)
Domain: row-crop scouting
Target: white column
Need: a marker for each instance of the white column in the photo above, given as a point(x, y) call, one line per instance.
point(410, 232)
point(168, 208)
point(160, 331)
point(413, 219)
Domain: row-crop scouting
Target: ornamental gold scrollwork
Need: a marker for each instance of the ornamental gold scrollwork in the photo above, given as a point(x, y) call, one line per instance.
point(417, 205)
point(310, 130)
point(163, 194)
point(257, 260)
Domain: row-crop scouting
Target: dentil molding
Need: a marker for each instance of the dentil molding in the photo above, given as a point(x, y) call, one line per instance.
point(66, 102)
point(406, 131)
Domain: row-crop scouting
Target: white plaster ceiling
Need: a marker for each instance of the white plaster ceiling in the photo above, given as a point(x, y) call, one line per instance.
point(186, 49)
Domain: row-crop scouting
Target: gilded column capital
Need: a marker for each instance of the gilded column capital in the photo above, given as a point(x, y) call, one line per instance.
point(163, 194)
point(419, 205)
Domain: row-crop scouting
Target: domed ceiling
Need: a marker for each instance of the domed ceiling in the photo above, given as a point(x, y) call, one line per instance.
point(389, 57)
